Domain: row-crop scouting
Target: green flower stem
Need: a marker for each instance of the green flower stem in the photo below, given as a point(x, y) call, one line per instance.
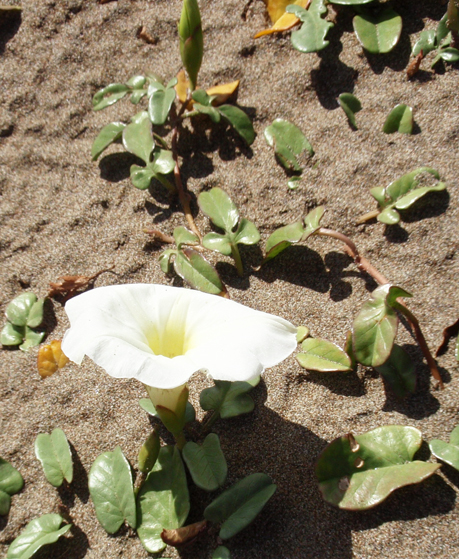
point(237, 259)
point(180, 440)
point(160, 140)
point(364, 265)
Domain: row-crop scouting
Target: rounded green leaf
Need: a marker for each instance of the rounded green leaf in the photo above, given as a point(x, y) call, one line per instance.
point(35, 317)
point(163, 161)
point(426, 42)
point(239, 121)
point(407, 182)
point(358, 473)
point(136, 82)
point(302, 332)
point(375, 328)
point(110, 486)
point(208, 110)
point(109, 134)
point(324, 356)
point(138, 139)
point(238, 506)
point(5, 503)
point(378, 34)
point(109, 95)
point(282, 238)
point(449, 54)
point(160, 104)
point(288, 142)
point(206, 463)
point(312, 221)
point(350, 105)
point(55, 456)
point(31, 339)
point(149, 452)
point(184, 236)
point(398, 371)
point(141, 176)
point(163, 500)
point(448, 453)
point(389, 216)
point(229, 399)
point(247, 233)
point(221, 552)
point(17, 312)
point(12, 335)
point(406, 201)
point(39, 532)
point(11, 481)
point(220, 243)
point(311, 35)
point(219, 207)
point(197, 271)
point(400, 119)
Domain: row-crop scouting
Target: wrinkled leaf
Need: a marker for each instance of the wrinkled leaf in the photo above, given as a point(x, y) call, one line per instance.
point(378, 34)
point(38, 532)
point(239, 121)
point(109, 95)
point(448, 453)
point(238, 506)
point(282, 238)
point(149, 452)
point(400, 119)
point(161, 102)
point(138, 139)
point(55, 456)
point(229, 399)
point(288, 142)
point(184, 236)
point(358, 473)
point(324, 356)
point(198, 272)
point(375, 326)
point(350, 105)
point(206, 463)
point(163, 500)
point(426, 42)
point(398, 371)
point(407, 182)
point(109, 134)
point(111, 489)
point(51, 358)
point(219, 207)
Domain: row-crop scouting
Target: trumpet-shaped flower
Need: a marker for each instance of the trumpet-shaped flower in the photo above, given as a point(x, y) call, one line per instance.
point(161, 335)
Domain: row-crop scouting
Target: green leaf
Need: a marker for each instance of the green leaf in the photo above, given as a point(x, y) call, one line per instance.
point(302, 332)
point(55, 456)
point(350, 105)
point(32, 339)
point(378, 34)
point(348, 348)
point(165, 262)
point(359, 473)
point(208, 110)
point(426, 42)
point(141, 176)
point(184, 236)
point(312, 221)
point(282, 238)
point(379, 194)
point(163, 162)
point(321, 355)
point(163, 500)
point(149, 452)
point(407, 182)
point(198, 272)
point(110, 486)
point(5, 503)
point(136, 82)
point(12, 335)
point(39, 532)
point(399, 372)
point(311, 36)
point(191, 40)
point(448, 453)
point(109, 134)
point(389, 216)
point(35, 317)
point(17, 312)
point(449, 54)
point(206, 463)
point(109, 95)
point(160, 104)
point(11, 481)
point(247, 233)
point(221, 552)
point(215, 241)
point(288, 142)
point(400, 119)
point(442, 29)
point(238, 506)
point(219, 207)
point(406, 201)
point(137, 96)
point(138, 139)
point(375, 328)
point(229, 399)
point(239, 121)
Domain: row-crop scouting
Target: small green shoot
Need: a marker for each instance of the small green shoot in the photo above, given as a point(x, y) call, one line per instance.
point(149, 451)
point(350, 105)
point(288, 142)
point(400, 119)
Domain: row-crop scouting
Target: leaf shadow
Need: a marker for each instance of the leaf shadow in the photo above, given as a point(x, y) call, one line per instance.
point(450, 473)
point(429, 206)
point(80, 477)
point(9, 25)
point(343, 384)
point(49, 317)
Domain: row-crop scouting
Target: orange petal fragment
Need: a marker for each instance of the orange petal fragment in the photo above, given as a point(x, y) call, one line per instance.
point(51, 358)
point(223, 92)
point(285, 21)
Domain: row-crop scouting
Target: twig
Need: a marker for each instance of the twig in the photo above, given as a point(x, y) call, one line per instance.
point(368, 217)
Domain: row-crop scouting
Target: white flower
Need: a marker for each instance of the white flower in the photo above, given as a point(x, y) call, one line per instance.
point(162, 335)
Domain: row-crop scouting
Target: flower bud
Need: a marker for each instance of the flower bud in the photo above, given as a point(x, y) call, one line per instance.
point(191, 43)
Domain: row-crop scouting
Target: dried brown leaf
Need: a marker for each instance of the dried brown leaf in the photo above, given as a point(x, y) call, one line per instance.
point(448, 333)
point(185, 535)
point(414, 65)
point(282, 21)
point(68, 285)
point(51, 358)
point(143, 34)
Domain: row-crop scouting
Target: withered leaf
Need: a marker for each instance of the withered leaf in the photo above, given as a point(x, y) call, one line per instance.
point(223, 92)
point(51, 358)
point(448, 333)
point(69, 285)
point(143, 34)
point(413, 67)
point(282, 21)
point(185, 535)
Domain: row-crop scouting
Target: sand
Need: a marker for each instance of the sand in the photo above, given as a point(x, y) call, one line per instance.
point(61, 214)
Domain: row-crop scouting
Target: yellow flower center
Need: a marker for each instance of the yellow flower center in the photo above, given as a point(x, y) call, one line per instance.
point(170, 341)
